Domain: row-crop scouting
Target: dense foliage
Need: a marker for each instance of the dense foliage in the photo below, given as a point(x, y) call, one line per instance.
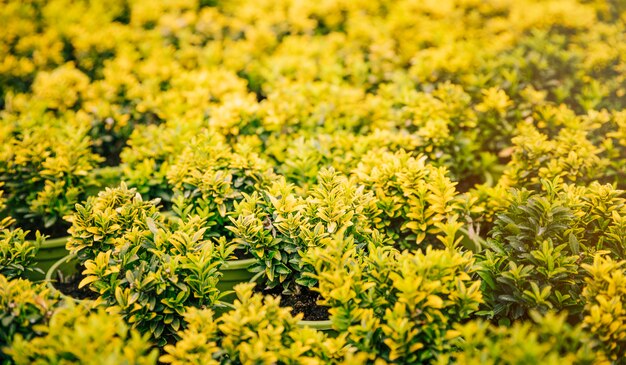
point(447, 178)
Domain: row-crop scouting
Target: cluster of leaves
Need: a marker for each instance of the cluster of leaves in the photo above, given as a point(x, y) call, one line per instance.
point(537, 246)
point(398, 306)
point(109, 220)
point(74, 335)
point(548, 339)
point(23, 306)
point(142, 268)
point(415, 198)
point(17, 254)
point(209, 177)
point(278, 226)
point(256, 331)
point(45, 171)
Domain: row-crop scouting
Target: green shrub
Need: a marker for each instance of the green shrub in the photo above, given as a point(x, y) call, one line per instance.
point(547, 339)
point(109, 220)
point(256, 331)
point(151, 278)
point(396, 306)
point(209, 177)
point(530, 262)
point(23, 306)
point(76, 336)
point(45, 171)
point(17, 254)
point(414, 197)
point(277, 226)
point(605, 296)
point(533, 258)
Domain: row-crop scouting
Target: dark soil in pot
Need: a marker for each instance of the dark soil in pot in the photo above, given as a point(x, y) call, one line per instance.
point(68, 285)
point(304, 302)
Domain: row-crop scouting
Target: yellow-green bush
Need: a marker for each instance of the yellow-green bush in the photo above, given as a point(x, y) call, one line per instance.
point(392, 305)
point(76, 336)
point(23, 306)
point(415, 198)
point(285, 127)
point(45, 171)
point(257, 330)
point(547, 339)
point(17, 254)
point(605, 294)
point(278, 226)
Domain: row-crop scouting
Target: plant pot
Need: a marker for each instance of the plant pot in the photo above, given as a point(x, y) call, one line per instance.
point(233, 273)
point(326, 326)
point(51, 251)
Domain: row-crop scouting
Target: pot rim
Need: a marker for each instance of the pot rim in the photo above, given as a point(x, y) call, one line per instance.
point(237, 264)
point(55, 242)
point(50, 285)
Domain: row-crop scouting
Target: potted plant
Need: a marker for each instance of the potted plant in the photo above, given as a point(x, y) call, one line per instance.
point(44, 171)
point(397, 306)
point(278, 226)
point(17, 254)
point(149, 268)
point(414, 197)
point(209, 178)
point(257, 330)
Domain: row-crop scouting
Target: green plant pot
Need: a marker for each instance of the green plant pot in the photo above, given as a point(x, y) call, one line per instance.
point(51, 251)
point(326, 326)
point(233, 273)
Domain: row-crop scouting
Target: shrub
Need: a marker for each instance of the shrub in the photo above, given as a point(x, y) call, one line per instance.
point(109, 220)
point(23, 306)
point(277, 226)
point(209, 177)
point(45, 172)
point(548, 339)
point(76, 336)
point(396, 306)
point(151, 278)
point(530, 262)
point(415, 198)
point(17, 254)
point(534, 256)
point(605, 295)
point(257, 330)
